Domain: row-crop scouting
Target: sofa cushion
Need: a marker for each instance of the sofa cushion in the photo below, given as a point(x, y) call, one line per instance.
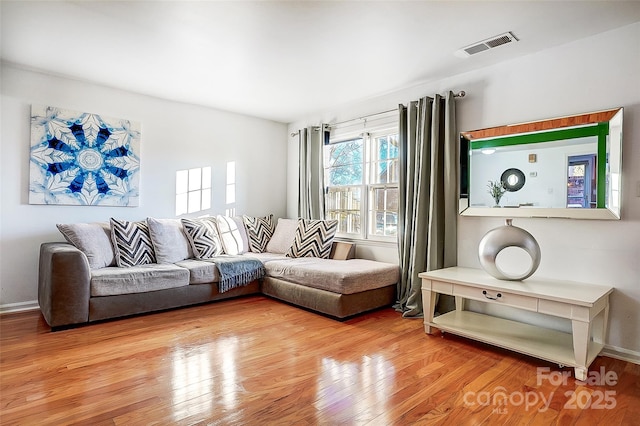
point(266, 256)
point(137, 279)
point(313, 238)
point(259, 231)
point(93, 239)
point(337, 276)
point(230, 235)
point(169, 241)
point(200, 271)
point(203, 236)
point(132, 243)
point(283, 236)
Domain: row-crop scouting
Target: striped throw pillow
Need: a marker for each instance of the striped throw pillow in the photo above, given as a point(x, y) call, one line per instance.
point(203, 237)
point(260, 230)
point(132, 243)
point(313, 238)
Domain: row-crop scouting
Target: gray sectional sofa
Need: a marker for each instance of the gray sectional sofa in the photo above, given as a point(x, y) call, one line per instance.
point(80, 283)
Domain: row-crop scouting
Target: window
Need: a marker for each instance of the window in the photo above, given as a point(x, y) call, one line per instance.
point(361, 177)
point(193, 190)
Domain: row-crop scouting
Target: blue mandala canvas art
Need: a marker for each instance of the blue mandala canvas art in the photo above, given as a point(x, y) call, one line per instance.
point(83, 159)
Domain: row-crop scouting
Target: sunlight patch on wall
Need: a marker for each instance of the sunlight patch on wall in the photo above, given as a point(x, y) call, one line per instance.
point(230, 194)
point(193, 190)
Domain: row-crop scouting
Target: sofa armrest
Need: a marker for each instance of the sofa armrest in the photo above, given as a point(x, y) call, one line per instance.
point(63, 284)
point(342, 250)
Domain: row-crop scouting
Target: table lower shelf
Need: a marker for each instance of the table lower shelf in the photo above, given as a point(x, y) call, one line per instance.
point(550, 345)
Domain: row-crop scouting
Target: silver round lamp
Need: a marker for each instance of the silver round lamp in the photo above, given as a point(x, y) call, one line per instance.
point(502, 237)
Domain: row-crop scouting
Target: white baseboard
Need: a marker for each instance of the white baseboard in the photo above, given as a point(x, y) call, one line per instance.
point(621, 353)
point(19, 307)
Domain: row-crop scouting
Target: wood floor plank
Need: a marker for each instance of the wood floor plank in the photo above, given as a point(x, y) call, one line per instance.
point(255, 360)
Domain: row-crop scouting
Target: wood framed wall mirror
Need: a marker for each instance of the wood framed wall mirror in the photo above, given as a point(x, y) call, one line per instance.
point(566, 167)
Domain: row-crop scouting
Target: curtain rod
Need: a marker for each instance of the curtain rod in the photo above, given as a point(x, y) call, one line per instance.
point(460, 94)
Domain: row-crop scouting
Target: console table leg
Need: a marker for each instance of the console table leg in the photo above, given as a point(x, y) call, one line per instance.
point(459, 303)
point(429, 304)
point(599, 327)
point(581, 336)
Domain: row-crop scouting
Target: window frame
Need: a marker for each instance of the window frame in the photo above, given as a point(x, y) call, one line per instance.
point(367, 211)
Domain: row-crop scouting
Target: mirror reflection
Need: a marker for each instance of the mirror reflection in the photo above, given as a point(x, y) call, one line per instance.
point(560, 167)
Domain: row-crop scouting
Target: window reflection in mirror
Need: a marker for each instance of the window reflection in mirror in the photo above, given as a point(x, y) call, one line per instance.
point(581, 181)
point(563, 165)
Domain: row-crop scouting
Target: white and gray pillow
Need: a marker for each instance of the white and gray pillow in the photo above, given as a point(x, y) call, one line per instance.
point(230, 235)
point(169, 240)
point(93, 239)
point(243, 232)
point(313, 238)
point(259, 231)
point(283, 236)
point(132, 243)
point(203, 236)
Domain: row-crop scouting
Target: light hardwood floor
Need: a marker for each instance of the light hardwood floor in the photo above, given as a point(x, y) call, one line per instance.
point(258, 361)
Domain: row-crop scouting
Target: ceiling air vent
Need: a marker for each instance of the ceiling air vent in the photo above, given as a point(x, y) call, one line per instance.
point(487, 44)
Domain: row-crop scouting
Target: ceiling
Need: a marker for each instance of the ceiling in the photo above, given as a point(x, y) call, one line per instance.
point(284, 60)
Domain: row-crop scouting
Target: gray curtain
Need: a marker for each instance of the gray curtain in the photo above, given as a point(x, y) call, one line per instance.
point(311, 173)
point(428, 209)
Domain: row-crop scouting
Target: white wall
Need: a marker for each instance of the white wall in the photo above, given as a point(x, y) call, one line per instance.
point(174, 137)
point(596, 73)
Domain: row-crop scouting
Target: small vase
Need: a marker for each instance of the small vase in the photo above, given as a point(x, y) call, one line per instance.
point(497, 200)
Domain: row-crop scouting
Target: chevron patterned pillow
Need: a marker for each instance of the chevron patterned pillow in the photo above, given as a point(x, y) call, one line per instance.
point(132, 243)
point(260, 230)
point(203, 237)
point(313, 238)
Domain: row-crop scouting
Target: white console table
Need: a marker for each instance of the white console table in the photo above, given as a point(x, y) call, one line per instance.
point(586, 305)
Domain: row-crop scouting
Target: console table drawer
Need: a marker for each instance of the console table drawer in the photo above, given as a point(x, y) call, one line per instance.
point(496, 296)
point(442, 287)
point(557, 309)
point(564, 310)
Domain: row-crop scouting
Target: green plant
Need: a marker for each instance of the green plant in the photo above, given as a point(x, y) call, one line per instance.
point(496, 190)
